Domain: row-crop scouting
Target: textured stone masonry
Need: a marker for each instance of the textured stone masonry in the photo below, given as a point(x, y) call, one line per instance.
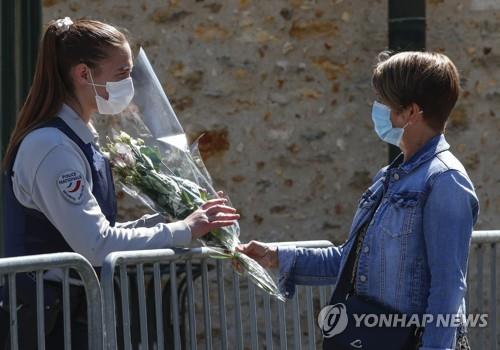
point(282, 91)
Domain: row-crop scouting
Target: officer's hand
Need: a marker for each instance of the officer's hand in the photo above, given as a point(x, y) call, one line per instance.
point(211, 215)
point(265, 254)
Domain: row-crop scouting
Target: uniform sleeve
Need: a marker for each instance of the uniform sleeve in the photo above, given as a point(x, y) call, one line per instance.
point(79, 218)
point(145, 221)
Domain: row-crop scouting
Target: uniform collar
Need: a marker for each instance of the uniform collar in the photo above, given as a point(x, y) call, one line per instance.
point(85, 132)
point(434, 146)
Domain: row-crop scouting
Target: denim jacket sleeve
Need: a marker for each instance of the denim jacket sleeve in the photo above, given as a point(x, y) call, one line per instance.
point(306, 266)
point(449, 215)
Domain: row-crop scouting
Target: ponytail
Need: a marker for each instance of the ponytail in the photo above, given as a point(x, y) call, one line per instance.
point(84, 41)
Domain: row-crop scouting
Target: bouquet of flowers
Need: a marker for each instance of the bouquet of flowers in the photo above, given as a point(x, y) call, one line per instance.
point(138, 169)
point(166, 175)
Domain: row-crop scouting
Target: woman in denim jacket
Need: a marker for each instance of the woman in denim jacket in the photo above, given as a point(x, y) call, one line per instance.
point(414, 253)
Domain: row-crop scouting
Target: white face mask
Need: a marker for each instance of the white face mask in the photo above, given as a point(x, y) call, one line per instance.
point(120, 93)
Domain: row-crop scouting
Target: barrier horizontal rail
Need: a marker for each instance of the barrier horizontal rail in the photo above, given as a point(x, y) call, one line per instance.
point(486, 236)
point(40, 263)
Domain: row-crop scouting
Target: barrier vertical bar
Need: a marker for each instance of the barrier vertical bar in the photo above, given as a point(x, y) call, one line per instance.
point(296, 321)
point(206, 304)
point(40, 312)
point(66, 310)
point(127, 338)
point(159, 306)
point(311, 336)
point(493, 294)
point(141, 289)
point(253, 316)
point(222, 305)
point(13, 312)
point(268, 323)
point(480, 290)
point(175, 305)
point(322, 297)
point(192, 320)
point(282, 325)
point(237, 311)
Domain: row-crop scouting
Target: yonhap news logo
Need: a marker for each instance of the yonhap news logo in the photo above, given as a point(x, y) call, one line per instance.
point(333, 320)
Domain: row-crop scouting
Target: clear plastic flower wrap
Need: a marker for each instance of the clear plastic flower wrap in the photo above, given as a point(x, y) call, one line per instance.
point(152, 161)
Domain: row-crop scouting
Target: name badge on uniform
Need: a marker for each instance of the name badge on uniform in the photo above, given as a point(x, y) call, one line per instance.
point(72, 184)
point(98, 160)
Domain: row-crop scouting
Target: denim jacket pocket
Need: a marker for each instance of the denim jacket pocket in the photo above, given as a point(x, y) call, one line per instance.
point(371, 195)
point(401, 212)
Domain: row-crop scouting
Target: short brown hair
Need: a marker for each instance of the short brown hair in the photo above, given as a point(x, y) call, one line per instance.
point(428, 79)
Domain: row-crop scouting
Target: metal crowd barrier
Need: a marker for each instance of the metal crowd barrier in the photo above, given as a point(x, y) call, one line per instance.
point(257, 321)
point(38, 264)
point(177, 310)
point(484, 248)
point(252, 318)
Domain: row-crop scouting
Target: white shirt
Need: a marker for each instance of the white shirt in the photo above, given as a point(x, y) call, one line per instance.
point(47, 153)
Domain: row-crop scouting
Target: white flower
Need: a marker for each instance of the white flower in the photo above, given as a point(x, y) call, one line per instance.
point(124, 156)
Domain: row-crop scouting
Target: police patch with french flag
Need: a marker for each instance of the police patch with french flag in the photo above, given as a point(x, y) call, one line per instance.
point(72, 185)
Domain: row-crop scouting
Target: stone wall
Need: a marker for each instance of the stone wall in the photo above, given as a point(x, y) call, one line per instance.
point(469, 32)
point(282, 90)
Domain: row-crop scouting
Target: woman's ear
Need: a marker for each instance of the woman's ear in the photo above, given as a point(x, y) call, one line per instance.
point(80, 74)
point(414, 113)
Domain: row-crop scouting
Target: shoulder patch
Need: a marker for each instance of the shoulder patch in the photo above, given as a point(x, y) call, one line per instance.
point(72, 184)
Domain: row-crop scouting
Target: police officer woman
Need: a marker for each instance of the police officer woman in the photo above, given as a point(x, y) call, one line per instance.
point(59, 194)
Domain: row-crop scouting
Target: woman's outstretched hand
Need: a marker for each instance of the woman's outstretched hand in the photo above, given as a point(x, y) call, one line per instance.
point(265, 254)
point(211, 215)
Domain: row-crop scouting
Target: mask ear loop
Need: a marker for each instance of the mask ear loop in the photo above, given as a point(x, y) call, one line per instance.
point(92, 79)
point(94, 84)
point(420, 112)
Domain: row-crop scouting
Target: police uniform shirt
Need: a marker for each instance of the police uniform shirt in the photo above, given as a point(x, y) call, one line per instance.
point(45, 158)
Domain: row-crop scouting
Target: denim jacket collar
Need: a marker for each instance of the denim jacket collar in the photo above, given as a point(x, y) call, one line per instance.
point(434, 146)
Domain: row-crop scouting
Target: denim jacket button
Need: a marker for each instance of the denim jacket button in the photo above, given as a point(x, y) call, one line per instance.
point(366, 249)
point(362, 278)
point(396, 176)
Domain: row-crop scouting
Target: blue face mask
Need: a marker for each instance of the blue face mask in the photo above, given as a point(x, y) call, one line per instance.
point(381, 116)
